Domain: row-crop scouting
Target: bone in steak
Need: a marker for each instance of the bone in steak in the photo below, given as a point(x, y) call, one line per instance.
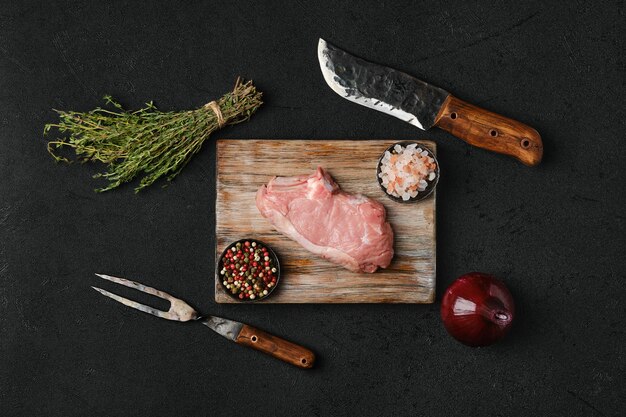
point(349, 230)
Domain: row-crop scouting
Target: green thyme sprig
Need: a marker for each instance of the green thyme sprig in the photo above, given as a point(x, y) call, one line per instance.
point(148, 141)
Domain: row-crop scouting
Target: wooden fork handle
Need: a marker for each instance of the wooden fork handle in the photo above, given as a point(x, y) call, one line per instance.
point(491, 131)
point(276, 347)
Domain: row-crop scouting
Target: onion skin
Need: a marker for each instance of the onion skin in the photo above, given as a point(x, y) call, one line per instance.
point(477, 309)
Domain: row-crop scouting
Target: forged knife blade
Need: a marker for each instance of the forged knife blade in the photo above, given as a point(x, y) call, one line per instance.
point(423, 105)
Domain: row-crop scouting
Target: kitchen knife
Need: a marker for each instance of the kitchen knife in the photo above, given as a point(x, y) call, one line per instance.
point(424, 105)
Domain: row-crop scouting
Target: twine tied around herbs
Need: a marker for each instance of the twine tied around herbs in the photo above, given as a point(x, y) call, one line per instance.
point(218, 113)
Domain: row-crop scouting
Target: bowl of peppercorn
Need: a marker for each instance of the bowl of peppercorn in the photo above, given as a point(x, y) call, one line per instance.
point(248, 270)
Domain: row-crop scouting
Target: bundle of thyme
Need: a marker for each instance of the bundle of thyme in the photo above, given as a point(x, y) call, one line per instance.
point(148, 141)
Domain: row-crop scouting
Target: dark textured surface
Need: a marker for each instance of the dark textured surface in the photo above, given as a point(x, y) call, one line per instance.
point(554, 233)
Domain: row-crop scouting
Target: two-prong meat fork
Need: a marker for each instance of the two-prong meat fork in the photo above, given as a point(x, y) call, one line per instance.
point(232, 330)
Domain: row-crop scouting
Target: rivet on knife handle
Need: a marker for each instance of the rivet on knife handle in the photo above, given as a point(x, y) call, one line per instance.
point(491, 131)
point(276, 347)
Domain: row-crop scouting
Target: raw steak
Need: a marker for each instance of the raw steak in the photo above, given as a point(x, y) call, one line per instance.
point(349, 230)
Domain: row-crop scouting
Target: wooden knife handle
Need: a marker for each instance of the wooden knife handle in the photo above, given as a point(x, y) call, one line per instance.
point(487, 130)
point(276, 347)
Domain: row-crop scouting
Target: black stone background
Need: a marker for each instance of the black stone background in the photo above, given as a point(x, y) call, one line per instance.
point(554, 233)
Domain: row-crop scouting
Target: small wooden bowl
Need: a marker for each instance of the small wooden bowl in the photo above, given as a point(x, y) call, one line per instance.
point(421, 194)
point(272, 256)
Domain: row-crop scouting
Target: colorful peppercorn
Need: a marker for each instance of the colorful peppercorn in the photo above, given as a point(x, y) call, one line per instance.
point(248, 271)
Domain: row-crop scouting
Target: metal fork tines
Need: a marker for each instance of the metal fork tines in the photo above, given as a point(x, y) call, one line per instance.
point(178, 311)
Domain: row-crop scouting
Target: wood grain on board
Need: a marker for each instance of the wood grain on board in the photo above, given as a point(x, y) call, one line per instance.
point(244, 165)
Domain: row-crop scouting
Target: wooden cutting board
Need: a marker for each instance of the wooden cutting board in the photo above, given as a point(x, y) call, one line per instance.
point(244, 165)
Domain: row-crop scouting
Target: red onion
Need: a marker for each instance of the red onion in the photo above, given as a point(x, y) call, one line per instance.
point(477, 309)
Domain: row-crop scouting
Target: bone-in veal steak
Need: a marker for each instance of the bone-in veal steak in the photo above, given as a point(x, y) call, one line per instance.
point(349, 230)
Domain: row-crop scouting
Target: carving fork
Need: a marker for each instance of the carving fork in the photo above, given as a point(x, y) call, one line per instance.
point(240, 333)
